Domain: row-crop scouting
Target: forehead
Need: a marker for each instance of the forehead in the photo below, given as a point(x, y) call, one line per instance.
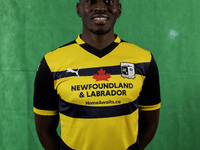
point(96, 0)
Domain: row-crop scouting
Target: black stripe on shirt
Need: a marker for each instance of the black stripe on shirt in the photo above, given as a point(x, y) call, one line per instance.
point(140, 68)
point(80, 111)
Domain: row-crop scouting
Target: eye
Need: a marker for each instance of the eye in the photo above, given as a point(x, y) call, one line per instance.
point(92, 2)
point(109, 2)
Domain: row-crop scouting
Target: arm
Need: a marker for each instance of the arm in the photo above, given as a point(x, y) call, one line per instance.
point(148, 122)
point(46, 129)
point(149, 102)
point(46, 108)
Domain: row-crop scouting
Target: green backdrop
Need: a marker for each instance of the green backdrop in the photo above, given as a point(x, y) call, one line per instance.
point(169, 29)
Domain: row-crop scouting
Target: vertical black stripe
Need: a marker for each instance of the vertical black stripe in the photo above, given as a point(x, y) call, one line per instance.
point(45, 97)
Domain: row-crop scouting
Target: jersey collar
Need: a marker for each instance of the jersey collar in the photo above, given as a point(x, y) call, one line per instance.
point(96, 52)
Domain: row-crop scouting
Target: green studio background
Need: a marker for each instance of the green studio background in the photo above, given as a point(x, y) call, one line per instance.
point(169, 29)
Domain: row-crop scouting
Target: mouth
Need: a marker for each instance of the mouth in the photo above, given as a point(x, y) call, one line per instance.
point(100, 19)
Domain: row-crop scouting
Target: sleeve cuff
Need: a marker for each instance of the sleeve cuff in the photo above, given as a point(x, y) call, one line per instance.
point(45, 112)
point(149, 108)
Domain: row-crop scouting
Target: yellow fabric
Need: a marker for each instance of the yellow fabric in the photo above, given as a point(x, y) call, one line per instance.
point(149, 108)
point(118, 132)
point(103, 133)
point(45, 112)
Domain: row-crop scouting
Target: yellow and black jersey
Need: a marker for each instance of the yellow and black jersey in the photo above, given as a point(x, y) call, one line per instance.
point(97, 93)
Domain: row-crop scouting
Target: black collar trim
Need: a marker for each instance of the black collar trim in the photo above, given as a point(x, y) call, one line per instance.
point(99, 53)
point(96, 52)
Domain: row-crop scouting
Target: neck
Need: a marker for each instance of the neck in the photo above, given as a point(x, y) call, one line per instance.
point(98, 41)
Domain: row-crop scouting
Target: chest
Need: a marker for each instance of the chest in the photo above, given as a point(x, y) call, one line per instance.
point(100, 84)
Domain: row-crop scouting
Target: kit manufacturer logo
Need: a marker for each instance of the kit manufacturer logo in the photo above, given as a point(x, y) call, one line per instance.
point(128, 70)
point(73, 71)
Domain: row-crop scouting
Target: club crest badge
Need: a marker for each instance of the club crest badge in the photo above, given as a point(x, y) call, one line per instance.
point(128, 70)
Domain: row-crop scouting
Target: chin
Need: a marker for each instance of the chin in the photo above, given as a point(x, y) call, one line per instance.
point(100, 31)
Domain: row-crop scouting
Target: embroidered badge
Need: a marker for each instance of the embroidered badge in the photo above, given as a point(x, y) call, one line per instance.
point(128, 70)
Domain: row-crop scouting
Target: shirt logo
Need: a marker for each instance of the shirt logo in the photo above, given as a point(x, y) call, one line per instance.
point(72, 71)
point(128, 70)
point(101, 75)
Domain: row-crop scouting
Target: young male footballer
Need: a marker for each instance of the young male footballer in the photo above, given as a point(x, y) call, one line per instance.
point(104, 91)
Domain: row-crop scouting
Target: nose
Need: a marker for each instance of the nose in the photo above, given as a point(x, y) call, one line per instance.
point(100, 6)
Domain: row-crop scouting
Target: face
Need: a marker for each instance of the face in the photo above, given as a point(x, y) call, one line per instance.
point(99, 16)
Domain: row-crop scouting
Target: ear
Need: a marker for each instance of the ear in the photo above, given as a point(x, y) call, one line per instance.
point(119, 10)
point(78, 9)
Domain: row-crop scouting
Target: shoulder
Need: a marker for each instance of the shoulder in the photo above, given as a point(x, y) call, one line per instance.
point(135, 51)
point(130, 46)
point(61, 50)
point(55, 58)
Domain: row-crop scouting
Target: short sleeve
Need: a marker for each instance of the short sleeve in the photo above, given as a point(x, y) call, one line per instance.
point(45, 96)
point(149, 98)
